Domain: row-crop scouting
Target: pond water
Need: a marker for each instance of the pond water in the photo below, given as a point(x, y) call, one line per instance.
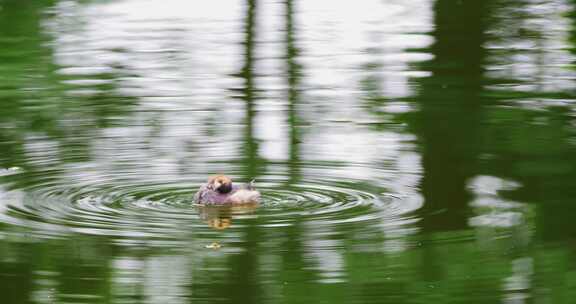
point(407, 151)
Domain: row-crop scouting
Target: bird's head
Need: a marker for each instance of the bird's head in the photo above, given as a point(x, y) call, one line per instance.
point(220, 183)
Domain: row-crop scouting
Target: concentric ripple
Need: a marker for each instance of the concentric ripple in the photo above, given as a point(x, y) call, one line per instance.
point(165, 211)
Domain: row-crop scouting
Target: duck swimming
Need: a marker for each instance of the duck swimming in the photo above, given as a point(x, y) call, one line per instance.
point(219, 190)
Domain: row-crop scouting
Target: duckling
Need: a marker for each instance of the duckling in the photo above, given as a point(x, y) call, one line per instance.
point(220, 190)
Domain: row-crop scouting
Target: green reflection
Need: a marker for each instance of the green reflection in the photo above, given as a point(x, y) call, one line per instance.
point(469, 125)
point(38, 102)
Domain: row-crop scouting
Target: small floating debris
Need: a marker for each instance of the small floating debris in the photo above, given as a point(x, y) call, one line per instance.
point(214, 245)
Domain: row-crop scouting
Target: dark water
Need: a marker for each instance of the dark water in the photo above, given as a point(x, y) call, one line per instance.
point(407, 151)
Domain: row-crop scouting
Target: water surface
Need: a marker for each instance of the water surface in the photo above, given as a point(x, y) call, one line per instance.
point(407, 151)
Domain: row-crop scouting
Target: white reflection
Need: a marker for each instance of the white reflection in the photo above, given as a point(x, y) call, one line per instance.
point(178, 60)
point(327, 253)
point(519, 283)
point(496, 216)
point(494, 211)
point(399, 228)
point(338, 37)
point(538, 61)
point(160, 279)
point(45, 285)
point(162, 48)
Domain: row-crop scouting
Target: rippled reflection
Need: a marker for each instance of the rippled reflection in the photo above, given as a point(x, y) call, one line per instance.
point(406, 151)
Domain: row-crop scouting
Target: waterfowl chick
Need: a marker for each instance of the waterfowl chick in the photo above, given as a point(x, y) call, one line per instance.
point(220, 190)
